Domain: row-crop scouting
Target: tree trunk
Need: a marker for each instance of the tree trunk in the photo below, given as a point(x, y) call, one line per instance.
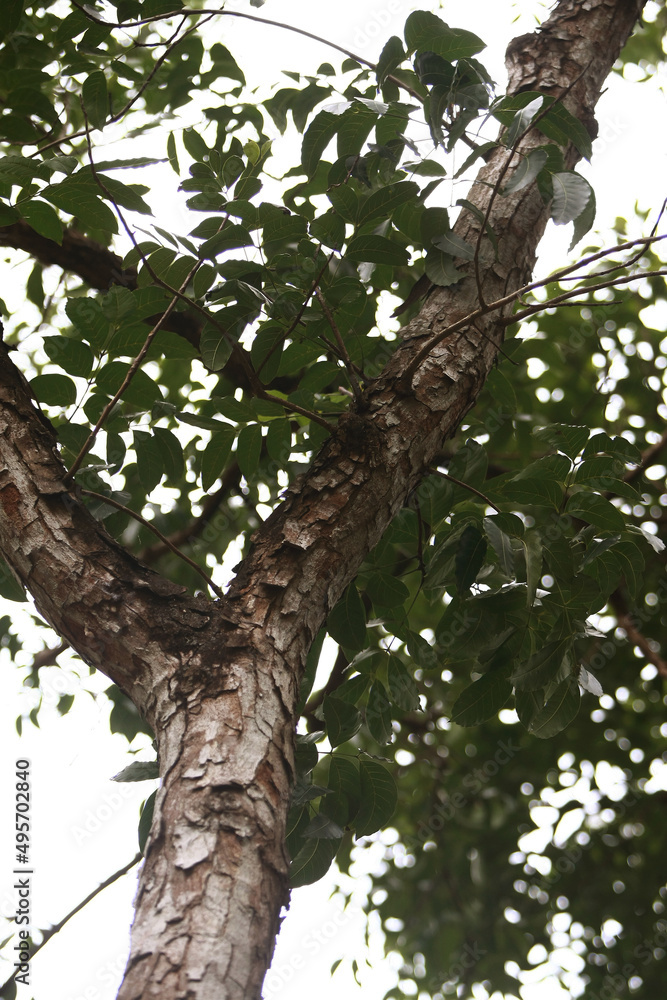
point(218, 681)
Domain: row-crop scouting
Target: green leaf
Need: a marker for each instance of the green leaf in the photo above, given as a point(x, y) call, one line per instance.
point(347, 621)
point(424, 32)
point(11, 16)
point(481, 700)
point(469, 557)
point(215, 348)
point(526, 172)
point(378, 798)
point(342, 720)
point(230, 237)
point(453, 245)
point(312, 862)
point(391, 57)
point(279, 440)
point(95, 98)
point(522, 119)
point(439, 267)
point(76, 198)
point(501, 545)
point(55, 390)
point(318, 135)
point(559, 711)
point(149, 460)
point(138, 770)
point(386, 591)
point(72, 355)
point(172, 154)
point(560, 125)
point(402, 688)
point(376, 250)
point(43, 219)
point(382, 203)
point(329, 229)
point(543, 666)
point(541, 492)
point(343, 802)
point(568, 438)
point(597, 510)
point(584, 222)
point(571, 195)
point(378, 713)
point(8, 215)
point(323, 827)
point(249, 449)
point(533, 554)
point(146, 820)
point(10, 588)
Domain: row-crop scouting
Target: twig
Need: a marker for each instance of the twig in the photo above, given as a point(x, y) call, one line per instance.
point(561, 299)
point(624, 619)
point(48, 934)
point(171, 44)
point(514, 296)
point(163, 538)
point(465, 486)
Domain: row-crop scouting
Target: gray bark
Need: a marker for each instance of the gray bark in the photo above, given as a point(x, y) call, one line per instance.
point(218, 681)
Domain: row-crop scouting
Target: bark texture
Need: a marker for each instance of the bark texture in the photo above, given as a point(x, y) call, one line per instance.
point(219, 681)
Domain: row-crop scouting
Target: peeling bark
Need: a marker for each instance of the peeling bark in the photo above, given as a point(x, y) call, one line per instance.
point(218, 681)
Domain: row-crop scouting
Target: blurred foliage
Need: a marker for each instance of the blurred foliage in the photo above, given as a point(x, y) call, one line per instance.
point(485, 709)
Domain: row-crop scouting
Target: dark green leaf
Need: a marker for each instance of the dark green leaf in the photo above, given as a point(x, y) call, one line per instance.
point(43, 219)
point(559, 711)
point(378, 713)
point(318, 135)
point(343, 802)
point(95, 98)
point(249, 449)
point(571, 194)
point(312, 862)
point(501, 544)
point(347, 622)
point(527, 170)
point(138, 770)
point(439, 267)
point(382, 203)
point(543, 666)
point(594, 509)
point(378, 797)
point(469, 557)
point(149, 460)
point(146, 820)
point(342, 720)
point(55, 390)
point(323, 827)
point(72, 355)
point(391, 57)
point(482, 700)
point(402, 688)
point(376, 250)
point(424, 32)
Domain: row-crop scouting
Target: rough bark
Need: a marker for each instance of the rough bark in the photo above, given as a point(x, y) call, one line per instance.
point(218, 681)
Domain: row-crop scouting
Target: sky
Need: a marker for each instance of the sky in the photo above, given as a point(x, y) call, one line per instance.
point(84, 825)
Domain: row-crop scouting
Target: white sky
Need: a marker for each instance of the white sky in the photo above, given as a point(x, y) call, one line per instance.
point(84, 826)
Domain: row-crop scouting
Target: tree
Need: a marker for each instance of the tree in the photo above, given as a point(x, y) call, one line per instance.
point(454, 597)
